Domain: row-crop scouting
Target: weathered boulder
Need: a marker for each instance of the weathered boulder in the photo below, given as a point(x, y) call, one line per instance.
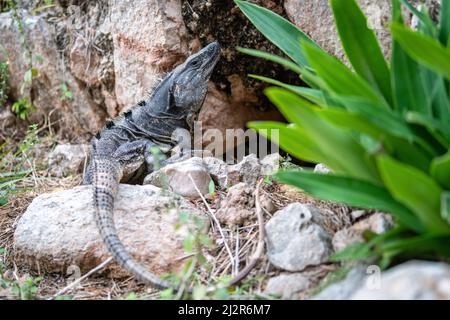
point(149, 38)
point(79, 114)
point(295, 238)
point(58, 230)
point(413, 280)
point(345, 288)
point(315, 18)
point(67, 159)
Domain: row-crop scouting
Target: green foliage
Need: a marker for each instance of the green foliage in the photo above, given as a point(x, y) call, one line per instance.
point(4, 85)
point(22, 289)
point(65, 93)
point(13, 165)
point(381, 127)
point(22, 108)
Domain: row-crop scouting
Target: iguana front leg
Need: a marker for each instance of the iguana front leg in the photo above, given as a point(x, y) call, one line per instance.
point(133, 156)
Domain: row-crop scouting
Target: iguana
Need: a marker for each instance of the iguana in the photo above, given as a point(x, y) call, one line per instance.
point(122, 149)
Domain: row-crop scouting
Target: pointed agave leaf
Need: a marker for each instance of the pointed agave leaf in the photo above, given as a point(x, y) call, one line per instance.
point(350, 120)
point(424, 49)
point(432, 124)
point(330, 139)
point(409, 91)
point(292, 139)
point(440, 100)
point(312, 95)
point(421, 244)
point(444, 33)
point(271, 57)
point(281, 32)
point(440, 170)
point(352, 192)
point(361, 46)
point(426, 24)
point(354, 251)
point(417, 191)
point(340, 79)
point(383, 118)
point(445, 206)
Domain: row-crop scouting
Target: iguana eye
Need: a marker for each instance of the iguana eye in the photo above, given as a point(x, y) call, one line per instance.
point(194, 63)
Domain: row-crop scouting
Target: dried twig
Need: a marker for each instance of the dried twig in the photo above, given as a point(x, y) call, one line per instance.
point(77, 281)
point(216, 222)
point(260, 247)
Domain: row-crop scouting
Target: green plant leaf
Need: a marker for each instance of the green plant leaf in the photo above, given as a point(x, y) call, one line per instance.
point(383, 118)
point(271, 57)
point(292, 139)
point(354, 251)
point(211, 187)
point(281, 32)
point(312, 95)
point(417, 191)
point(361, 46)
point(409, 91)
point(432, 124)
point(426, 24)
point(340, 79)
point(440, 170)
point(352, 192)
point(418, 245)
point(424, 49)
point(350, 120)
point(444, 33)
point(329, 139)
point(445, 206)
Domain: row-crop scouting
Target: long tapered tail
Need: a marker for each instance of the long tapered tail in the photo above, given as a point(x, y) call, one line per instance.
point(106, 174)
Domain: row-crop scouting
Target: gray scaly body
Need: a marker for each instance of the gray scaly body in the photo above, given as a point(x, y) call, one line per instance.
point(122, 150)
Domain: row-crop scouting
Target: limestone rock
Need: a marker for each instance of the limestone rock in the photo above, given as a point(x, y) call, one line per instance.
point(58, 230)
point(321, 168)
point(296, 239)
point(248, 171)
point(67, 159)
point(315, 18)
point(218, 170)
point(377, 222)
point(149, 38)
point(413, 280)
point(80, 114)
point(238, 206)
point(287, 286)
point(270, 164)
point(345, 288)
point(176, 177)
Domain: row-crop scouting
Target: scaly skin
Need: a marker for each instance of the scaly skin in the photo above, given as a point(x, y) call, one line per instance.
point(121, 151)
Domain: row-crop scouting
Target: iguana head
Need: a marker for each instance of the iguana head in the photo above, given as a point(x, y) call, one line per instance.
point(190, 80)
